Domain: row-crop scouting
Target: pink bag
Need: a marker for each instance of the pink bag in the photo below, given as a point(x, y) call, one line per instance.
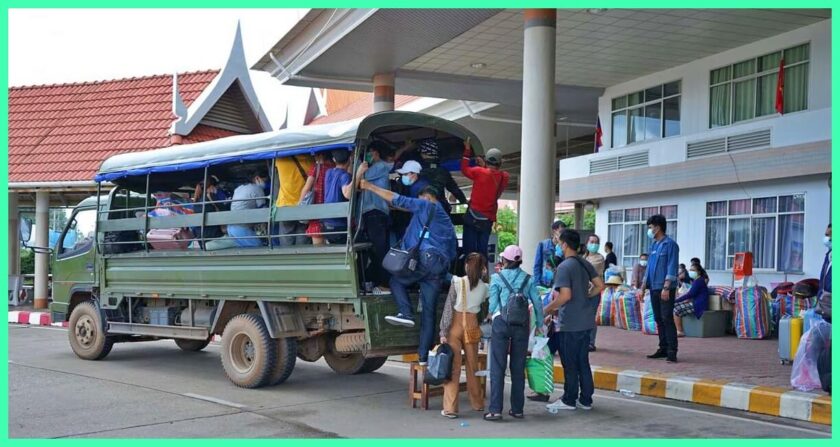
point(170, 238)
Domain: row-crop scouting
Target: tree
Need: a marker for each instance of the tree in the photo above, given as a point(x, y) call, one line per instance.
point(506, 227)
point(588, 220)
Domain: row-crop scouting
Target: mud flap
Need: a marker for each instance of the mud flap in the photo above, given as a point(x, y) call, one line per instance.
point(282, 319)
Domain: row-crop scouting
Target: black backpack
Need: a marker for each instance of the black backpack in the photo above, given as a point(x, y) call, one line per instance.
point(516, 312)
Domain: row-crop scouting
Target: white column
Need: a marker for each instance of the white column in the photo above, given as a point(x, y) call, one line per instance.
point(538, 123)
point(383, 92)
point(42, 239)
point(14, 235)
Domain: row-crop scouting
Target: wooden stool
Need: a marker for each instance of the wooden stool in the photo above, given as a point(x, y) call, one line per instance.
point(419, 390)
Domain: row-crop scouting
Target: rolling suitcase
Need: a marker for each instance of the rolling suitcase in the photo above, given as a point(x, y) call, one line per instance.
point(790, 331)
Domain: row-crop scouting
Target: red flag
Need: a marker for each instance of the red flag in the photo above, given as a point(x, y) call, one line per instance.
point(780, 88)
point(598, 133)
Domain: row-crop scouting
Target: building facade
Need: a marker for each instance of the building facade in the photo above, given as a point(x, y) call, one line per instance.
point(703, 144)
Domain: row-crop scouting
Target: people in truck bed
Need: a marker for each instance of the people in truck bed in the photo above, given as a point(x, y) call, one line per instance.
point(437, 175)
point(337, 188)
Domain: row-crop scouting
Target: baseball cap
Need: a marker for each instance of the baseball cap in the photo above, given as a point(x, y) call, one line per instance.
point(512, 253)
point(410, 166)
point(494, 157)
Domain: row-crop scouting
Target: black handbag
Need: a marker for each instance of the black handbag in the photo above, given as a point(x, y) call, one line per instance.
point(439, 369)
point(403, 262)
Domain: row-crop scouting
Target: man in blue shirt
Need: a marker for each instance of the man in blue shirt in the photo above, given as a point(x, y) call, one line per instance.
point(437, 250)
point(661, 279)
point(543, 267)
point(375, 213)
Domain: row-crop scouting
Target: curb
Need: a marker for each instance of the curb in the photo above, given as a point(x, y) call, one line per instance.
point(774, 401)
point(32, 318)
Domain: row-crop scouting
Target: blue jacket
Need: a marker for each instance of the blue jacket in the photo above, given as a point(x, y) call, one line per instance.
point(663, 263)
point(699, 294)
point(545, 250)
point(500, 294)
point(441, 235)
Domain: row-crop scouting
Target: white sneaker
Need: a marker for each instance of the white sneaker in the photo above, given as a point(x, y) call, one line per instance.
point(482, 373)
point(584, 407)
point(559, 405)
point(400, 320)
point(380, 291)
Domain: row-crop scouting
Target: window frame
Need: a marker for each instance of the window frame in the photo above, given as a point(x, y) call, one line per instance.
point(622, 223)
point(642, 106)
point(750, 216)
point(753, 76)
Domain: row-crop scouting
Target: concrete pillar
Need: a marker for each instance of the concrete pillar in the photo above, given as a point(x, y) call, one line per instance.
point(42, 239)
point(578, 216)
point(383, 92)
point(538, 123)
point(14, 235)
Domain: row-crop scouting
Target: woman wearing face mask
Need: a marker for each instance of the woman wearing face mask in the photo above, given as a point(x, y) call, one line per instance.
point(693, 302)
point(597, 261)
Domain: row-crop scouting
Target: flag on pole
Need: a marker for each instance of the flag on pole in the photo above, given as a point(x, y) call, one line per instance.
point(780, 88)
point(598, 133)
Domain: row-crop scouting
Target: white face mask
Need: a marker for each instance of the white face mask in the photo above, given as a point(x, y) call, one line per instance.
point(643, 262)
point(827, 242)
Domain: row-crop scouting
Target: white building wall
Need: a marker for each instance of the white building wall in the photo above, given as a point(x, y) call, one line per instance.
point(691, 219)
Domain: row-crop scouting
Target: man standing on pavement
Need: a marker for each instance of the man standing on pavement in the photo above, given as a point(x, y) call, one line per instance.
point(488, 183)
point(661, 280)
point(544, 256)
point(639, 272)
point(436, 252)
point(576, 288)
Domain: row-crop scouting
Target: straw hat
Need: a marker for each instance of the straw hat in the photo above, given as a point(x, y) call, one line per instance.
point(614, 280)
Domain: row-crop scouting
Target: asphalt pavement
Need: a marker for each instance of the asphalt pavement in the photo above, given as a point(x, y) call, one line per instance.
point(154, 390)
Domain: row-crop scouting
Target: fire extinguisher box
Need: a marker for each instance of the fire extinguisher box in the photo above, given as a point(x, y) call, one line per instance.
point(743, 264)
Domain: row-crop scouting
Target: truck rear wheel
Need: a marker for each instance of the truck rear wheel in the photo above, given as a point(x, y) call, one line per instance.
point(87, 338)
point(285, 362)
point(248, 351)
point(343, 361)
point(373, 363)
point(192, 345)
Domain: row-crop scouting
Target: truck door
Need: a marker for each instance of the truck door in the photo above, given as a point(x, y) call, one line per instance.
point(73, 265)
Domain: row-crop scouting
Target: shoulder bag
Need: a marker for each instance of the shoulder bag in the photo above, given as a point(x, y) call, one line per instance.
point(403, 262)
point(472, 335)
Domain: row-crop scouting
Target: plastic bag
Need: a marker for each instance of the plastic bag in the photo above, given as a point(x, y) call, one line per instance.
point(804, 375)
point(540, 374)
point(540, 350)
point(648, 321)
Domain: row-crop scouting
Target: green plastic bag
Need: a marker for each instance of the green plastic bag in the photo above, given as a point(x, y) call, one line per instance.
point(541, 374)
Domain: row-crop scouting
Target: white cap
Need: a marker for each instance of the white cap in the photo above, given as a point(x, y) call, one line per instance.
point(410, 166)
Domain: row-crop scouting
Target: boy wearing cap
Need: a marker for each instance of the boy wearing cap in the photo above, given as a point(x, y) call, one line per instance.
point(411, 180)
point(488, 184)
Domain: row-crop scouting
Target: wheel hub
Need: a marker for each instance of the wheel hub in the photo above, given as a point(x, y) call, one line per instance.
point(242, 353)
point(85, 331)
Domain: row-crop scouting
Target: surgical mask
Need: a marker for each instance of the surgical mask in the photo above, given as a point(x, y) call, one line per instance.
point(827, 242)
point(650, 233)
point(558, 251)
point(406, 180)
point(692, 274)
point(369, 158)
point(643, 262)
point(593, 248)
point(548, 275)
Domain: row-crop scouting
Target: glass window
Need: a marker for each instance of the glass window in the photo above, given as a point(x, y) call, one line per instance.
point(672, 88)
point(616, 216)
point(671, 108)
point(747, 89)
point(737, 207)
point(619, 129)
point(634, 99)
point(792, 204)
point(637, 125)
point(632, 215)
point(716, 244)
point(645, 115)
point(616, 236)
point(791, 235)
point(619, 103)
point(630, 238)
point(649, 211)
point(653, 93)
point(739, 234)
point(670, 211)
point(764, 205)
point(79, 235)
point(653, 121)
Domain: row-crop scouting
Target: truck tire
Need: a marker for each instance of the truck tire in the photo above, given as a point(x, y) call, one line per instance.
point(285, 360)
point(312, 349)
point(191, 345)
point(248, 352)
point(342, 362)
point(87, 339)
point(373, 363)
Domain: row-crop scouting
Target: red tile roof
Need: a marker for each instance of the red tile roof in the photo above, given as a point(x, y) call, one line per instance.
point(63, 132)
point(360, 108)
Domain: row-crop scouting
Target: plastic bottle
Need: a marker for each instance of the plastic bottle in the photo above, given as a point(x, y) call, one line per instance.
point(465, 424)
point(627, 393)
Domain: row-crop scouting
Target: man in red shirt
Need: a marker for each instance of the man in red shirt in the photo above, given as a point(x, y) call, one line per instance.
point(488, 183)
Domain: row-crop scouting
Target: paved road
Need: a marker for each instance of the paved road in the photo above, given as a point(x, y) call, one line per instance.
point(155, 390)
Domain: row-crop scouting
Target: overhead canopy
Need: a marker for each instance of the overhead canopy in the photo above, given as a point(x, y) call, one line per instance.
point(277, 144)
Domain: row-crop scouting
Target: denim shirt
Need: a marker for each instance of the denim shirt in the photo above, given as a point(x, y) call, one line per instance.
point(663, 262)
point(500, 294)
point(440, 238)
point(545, 250)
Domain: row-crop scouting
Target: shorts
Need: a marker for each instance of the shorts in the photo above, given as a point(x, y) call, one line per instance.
point(684, 308)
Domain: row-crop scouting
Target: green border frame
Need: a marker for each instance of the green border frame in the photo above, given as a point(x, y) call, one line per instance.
point(243, 4)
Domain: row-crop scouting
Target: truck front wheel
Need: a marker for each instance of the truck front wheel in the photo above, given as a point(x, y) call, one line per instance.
point(87, 338)
point(192, 345)
point(248, 352)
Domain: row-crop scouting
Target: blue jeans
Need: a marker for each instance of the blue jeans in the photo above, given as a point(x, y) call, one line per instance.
point(506, 337)
point(577, 373)
point(428, 274)
point(244, 231)
point(475, 241)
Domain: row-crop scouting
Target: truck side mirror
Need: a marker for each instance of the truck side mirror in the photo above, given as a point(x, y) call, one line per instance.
point(25, 229)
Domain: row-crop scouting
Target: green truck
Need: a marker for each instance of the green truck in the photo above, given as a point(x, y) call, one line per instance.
point(270, 304)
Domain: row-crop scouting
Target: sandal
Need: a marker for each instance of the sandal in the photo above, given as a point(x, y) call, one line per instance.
point(516, 415)
point(448, 415)
point(680, 334)
point(494, 417)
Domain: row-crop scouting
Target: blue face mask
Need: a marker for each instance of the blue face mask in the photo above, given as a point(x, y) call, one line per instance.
point(558, 251)
point(548, 275)
point(593, 248)
point(406, 180)
point(650, 233)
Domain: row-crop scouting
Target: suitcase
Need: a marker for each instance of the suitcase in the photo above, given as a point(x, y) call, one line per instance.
point(790, 331)
point(169, 238)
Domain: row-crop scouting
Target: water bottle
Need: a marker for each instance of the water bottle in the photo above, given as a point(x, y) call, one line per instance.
point(627, 393)
point(465, 424)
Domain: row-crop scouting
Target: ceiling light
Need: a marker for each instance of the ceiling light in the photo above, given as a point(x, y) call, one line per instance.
point(478, 65)
point(596, 11)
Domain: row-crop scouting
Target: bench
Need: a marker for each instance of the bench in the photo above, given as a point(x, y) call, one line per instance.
point(420, 391)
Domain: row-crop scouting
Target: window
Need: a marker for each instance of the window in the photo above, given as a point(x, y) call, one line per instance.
point(78, 237)
point(747, 90)
point(627, 230)
point(772, 228)
point(646, 115)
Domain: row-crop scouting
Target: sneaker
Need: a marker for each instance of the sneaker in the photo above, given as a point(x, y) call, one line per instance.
point(422, 363)
point(559, 405)
point(584, 407)
point(660, 354)
point(379, 291)
point(400, 320)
